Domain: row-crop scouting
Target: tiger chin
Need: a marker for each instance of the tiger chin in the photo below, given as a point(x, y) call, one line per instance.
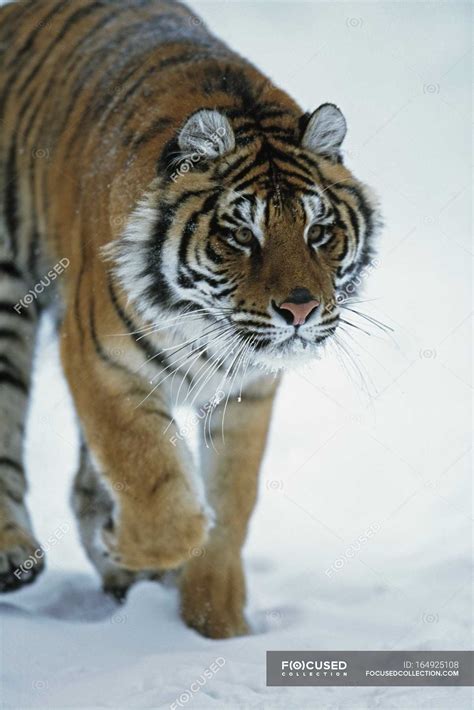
point(209, 226)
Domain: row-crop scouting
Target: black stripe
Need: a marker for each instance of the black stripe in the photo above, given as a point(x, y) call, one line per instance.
point(187, 233)
point(10, 334)
point(254, 324)
point(9, 365)
point(353, 220)
point(27, 45)
point(33, 252)
point(98, 345)
point(10, 16)
point(226, 292)
point(77, 296)
point(187, 270)
point(289, 158)
point(285, 135)
point(212, 255)
point(254, 179)
point(366, 212)
point(311, 163)
point(246, 169)
point(363, 207)
point(137, 66)
point(9, 269)
point(231, 219)
point(159, 125)
point(159, 293)
point(47, 89)
point(331, 319)
point(105, 101)
point(280, 133)
point(7, 379)
point(192, 223)
point(261, 343)
point(157, 412)
point(236, 164)
point(149, 350)
point(122, 99)
point(185, 281)
point(345, 236)
point(5, 461)
point(79, 80)
point(9, 309)
point(249, 311)
point(296, 176)
point(173, 61)
point(246, 127)
point(11, 200)
point(14, 496)
point(71, 21)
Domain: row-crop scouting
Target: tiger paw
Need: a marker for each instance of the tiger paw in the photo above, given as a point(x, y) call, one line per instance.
point(213, 597)
point(151, 538)
point(21, 558)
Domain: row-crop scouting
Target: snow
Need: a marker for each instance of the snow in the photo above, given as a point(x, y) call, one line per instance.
point(392, 467)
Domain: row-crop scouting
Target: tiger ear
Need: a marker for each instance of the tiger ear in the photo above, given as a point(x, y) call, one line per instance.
point(325, 131)
point(207, 133)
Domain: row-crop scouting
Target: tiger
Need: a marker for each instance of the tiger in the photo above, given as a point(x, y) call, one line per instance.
point(199, 226)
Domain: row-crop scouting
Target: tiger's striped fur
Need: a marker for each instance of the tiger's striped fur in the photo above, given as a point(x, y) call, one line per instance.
point(197, 207)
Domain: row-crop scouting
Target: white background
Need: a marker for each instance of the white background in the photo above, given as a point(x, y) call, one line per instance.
point(392, 456)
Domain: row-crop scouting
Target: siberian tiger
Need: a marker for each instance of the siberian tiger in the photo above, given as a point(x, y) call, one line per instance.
point(205, 225)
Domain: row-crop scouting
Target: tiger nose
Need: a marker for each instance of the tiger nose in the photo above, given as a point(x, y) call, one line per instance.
point(298, 306)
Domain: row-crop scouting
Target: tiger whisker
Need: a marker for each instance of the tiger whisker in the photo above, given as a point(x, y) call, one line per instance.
point(200, 350)
point(351, 336)
point(333, 184)
point(243, 352)
point(222, 385)
point(195, 338)
point(357, 327)
point(209, 331)
point(207, 366)
point(185, 315)
point(351, 358)
point(213, 365)
point(379, 324)
point(218, 359)
point(173, 372)
point(192, 315)
point(249, 350)
point(225, 335)
point(352, 300)
point(205, 332)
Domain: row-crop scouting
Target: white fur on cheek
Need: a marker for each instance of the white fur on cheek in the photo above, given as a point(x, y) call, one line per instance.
point(131, 256)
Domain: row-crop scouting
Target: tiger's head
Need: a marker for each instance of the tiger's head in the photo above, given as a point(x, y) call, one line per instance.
point(256, 227)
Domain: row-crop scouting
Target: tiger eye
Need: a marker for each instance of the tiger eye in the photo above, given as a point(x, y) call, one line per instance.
point(315, 232)
point(244, 235)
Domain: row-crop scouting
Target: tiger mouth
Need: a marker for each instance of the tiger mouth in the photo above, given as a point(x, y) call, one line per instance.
point(263, 344)
point(282, 352)
point(275, 338)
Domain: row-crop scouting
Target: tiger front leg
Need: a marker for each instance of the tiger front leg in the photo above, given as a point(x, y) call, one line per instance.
point(159, 517)
point(213, 582)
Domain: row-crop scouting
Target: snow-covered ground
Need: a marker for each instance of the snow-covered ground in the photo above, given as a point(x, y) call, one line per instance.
point(388, 461)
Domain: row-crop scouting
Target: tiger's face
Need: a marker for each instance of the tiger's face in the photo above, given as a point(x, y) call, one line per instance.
point(260, 239)
point(282, 253)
